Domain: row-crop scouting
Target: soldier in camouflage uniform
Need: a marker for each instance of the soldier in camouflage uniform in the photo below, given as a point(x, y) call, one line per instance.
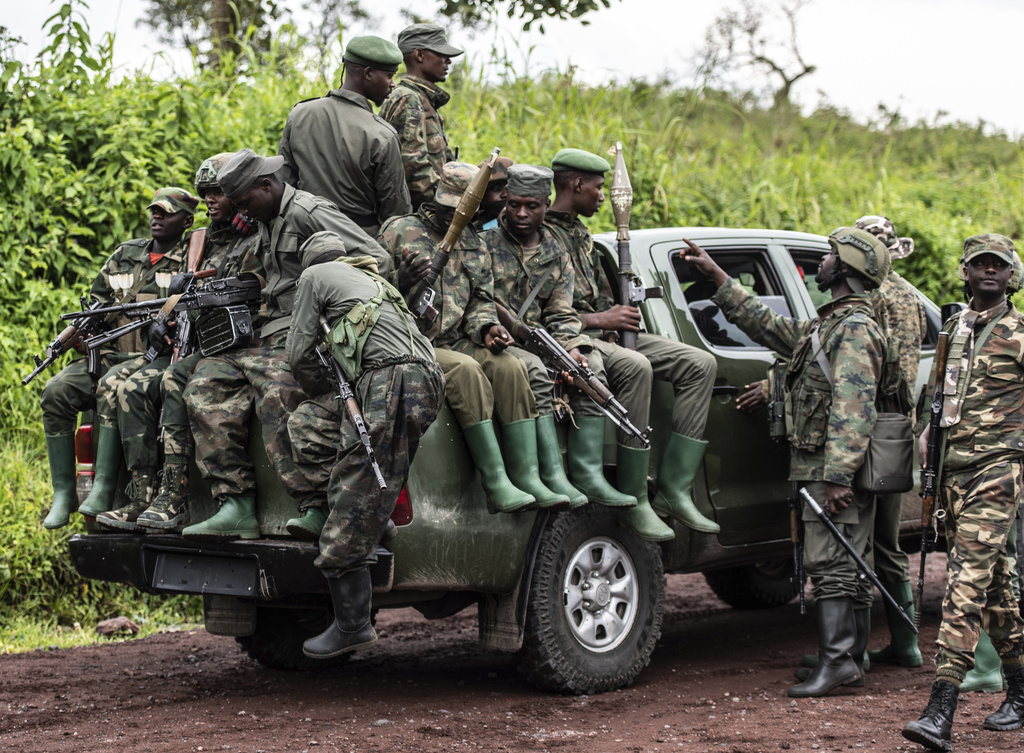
point(533, 279)
point(153, 397)
point(412, 108)
point(981, 486)
point(335, 147)
point(150, 265)
point(391, 368)
point(222, 392)
point(832, 384)
point(579, 177)
point(467, 322)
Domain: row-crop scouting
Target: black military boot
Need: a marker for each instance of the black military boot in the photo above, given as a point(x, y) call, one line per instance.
point(351, 628)
point(862, 623)
point(837, 636)
point(934, 729)
point(1011, 714)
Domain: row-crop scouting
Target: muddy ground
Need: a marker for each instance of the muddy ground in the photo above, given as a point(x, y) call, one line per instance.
point(717, 682)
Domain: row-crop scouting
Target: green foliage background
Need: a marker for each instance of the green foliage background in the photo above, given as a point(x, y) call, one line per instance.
point(82, 153)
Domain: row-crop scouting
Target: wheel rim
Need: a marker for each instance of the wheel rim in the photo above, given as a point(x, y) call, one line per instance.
point(600, 594)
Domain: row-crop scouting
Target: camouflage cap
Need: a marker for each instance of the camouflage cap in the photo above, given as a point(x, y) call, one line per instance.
point(500, 169)
point(426, 37)
point(883, 229)
point(988, 243)
point(373, 52)
point(455, 178)
point(243, 169)
point(206, 175)
point(577, 159)
point(529, 180)
point(173, 200)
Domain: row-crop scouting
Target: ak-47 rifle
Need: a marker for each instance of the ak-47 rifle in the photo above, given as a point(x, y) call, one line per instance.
point(84, 324)
point(558, 360)
point(423, 298)
point(631, 287)
point(866, 571)
point(348, 397)
point(929, 533)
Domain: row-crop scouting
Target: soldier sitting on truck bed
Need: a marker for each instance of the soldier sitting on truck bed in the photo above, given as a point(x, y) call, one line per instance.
point(579, 177)
point(220, 394)
point(399, 388)
point(469, 345)
point(128, 275)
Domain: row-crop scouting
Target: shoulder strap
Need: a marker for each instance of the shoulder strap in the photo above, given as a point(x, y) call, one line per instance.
point(819, 354)
point(535, 292)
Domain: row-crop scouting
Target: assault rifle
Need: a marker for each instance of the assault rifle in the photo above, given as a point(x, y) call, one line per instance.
point(866, 571)
point(557, 359)
point(84, 324)
point(423, 298)
point(929, 534)
point(631, 287)
point(348, 397)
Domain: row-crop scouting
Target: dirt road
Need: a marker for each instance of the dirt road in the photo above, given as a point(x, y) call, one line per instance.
point(717, 682)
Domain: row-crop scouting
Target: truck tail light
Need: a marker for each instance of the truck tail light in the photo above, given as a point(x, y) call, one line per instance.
point(402, 516)
point(85, 457)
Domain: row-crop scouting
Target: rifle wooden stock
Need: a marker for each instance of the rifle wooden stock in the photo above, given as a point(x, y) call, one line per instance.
point(83, 324)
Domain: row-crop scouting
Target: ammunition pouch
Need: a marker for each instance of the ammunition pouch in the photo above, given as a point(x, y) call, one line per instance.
point(223, 328)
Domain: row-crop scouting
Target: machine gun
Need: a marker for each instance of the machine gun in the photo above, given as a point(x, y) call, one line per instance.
point(631, 288)
point(423, 298)
point(348, 397)
point(84, 324)
point(929, 533)
point(557, 359)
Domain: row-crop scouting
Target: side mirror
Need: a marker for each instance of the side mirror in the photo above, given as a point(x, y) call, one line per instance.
point(948, 309)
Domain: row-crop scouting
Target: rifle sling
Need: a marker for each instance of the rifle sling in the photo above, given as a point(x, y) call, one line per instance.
point(534, 293)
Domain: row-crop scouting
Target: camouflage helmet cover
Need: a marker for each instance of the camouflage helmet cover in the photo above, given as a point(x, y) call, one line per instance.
point(883, 229)
point(206, 175)
point(862, 252)
point(1017, 277)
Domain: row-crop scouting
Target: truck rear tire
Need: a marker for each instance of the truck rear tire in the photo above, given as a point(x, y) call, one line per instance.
point(764, 585)
point(277, 642)
point(595, 605)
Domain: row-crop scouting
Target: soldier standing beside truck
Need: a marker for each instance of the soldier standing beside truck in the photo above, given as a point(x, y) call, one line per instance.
point(832, 383)
point(579, 178)
point(399, 388)
point(982, 482)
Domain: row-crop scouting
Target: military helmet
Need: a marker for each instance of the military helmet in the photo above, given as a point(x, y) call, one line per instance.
point(206, 175)
point(1017, 276)
point(861, 251)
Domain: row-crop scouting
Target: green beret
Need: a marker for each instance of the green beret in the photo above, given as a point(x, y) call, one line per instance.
point(529, 180)
point(173, 200)
point(242, 170)
point(373, 52)
point(577, 159)
point(455, 179)
point(988, 243)
point(426, 37)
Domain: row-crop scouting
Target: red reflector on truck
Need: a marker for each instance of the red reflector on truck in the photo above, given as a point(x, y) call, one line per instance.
point(83, 444)
point(402, 516)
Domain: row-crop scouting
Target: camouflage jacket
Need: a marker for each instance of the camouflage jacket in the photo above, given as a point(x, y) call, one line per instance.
point(301, 214)
point(591, 290)
point(827, 425)
point(132, 259)
point(992, 414)
point(514, 280)
point(464, 291)
point(231, 252)
point(412, 108)
point(899, 309)
point(335, 147)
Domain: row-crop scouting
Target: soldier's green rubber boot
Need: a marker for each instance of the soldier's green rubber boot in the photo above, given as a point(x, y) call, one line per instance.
point(309, 525)
point(236, 519)
point(523, 464)
point(902, 648)
point(140, 495)
point(61, 452)
point(586, 463)
point(675, 480)
point(987, 674)
point(107, 468)
point(502, 494)
point(552, 472)
point(352, 627)
point(169, 511)
point(641, 520)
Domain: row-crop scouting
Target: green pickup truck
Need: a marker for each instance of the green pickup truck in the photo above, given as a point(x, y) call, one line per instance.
point(579, 598)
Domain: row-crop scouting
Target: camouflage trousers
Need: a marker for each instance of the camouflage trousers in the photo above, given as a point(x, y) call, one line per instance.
point(832, 571)
point(220, 398)
point(981, 505)
point(630, 374)
point(398, 403)
point(71, 391)
point(128, 396)
point(502, 377)
point(176, 426)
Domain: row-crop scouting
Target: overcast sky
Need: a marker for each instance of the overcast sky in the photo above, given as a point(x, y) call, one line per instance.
point(918, 56)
